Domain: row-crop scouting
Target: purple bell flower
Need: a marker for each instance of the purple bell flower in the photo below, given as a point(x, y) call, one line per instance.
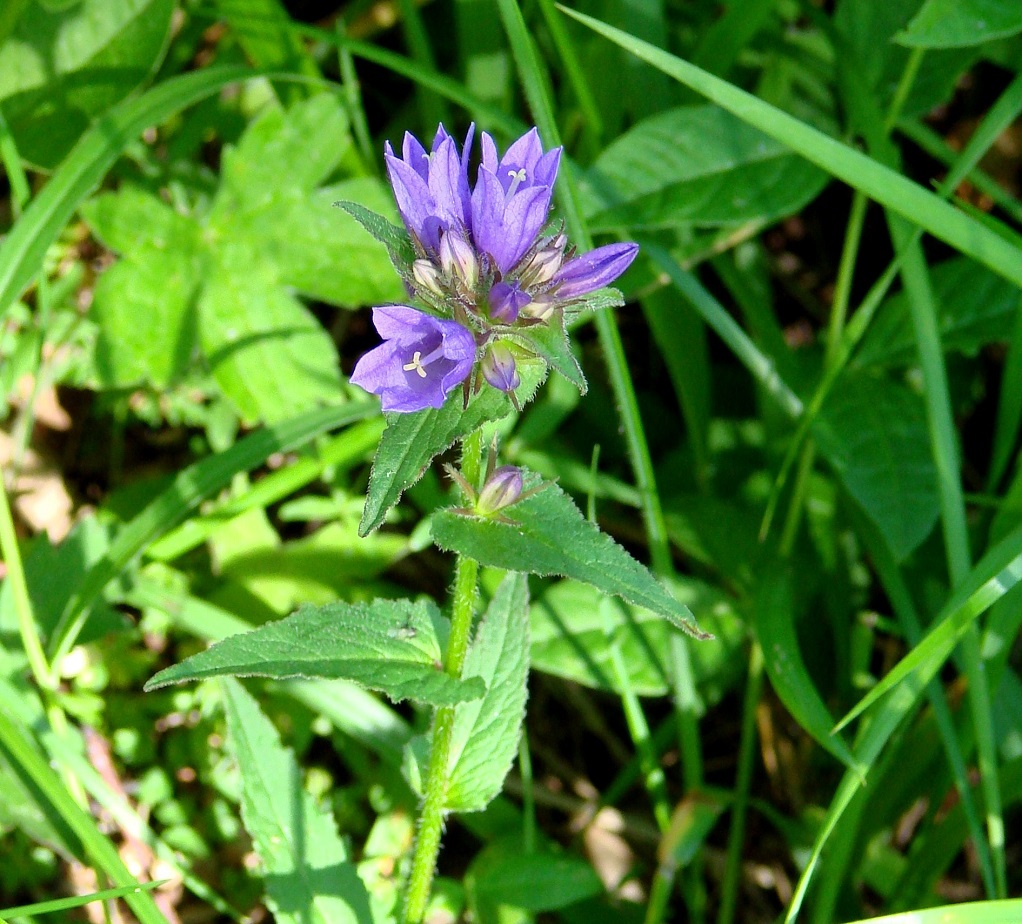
point(506, 301)
point(593, 270)
point(420, 361)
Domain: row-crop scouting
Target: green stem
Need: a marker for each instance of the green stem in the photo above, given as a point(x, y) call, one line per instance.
point(746, 752)
point(431, 819)
point(22, 601)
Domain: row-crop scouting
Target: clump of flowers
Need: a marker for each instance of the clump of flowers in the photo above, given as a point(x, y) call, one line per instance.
point(486, 266)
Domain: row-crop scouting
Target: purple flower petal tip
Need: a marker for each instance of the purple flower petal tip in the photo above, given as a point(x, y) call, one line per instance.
point(593, 270)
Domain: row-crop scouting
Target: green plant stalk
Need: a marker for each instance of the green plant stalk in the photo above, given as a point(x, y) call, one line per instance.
point(433, 106)
point(431, 818)
point(37, 662)
point(353, 98)
point(528, 795)
point(743, 786)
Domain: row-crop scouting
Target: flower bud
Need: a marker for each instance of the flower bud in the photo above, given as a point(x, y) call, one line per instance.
point(543, 266)
point(498, 368)
point(540, 308)
point(458, 259)
point(426, 277)
point(506, 300)
point(502, 489)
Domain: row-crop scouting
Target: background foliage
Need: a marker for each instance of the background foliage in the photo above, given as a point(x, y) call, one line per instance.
point(806, 421)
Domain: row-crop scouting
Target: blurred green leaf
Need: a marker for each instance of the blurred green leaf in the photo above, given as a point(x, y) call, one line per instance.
point(224, 282)
point(571, 639)
point(63, 65)
point(696, 165)
point(310, 878)
point(385, 645)
point(549, 535)
point(953, 23)
point(873, 433)
point(411, 441)
point(976, 307)
point(502, 874)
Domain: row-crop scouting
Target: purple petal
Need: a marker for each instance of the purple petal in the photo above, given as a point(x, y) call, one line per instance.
point(523, 154)
point(414, 154)
point(466, 150)
point(449, 184)
point(524, 216)
point(546, 170)
point(401, 323)
point(414, 200)
point(488, 213)
point(506, 301)
point(490, 159)
point(594, 270)
point(379, 369)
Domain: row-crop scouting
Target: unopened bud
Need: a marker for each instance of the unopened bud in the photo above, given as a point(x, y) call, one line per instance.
point(499, 370)
point(426, 277)
point(542, 267)
point(506, 300)
point(502, 489)
point(458, 259)
point(540, 308)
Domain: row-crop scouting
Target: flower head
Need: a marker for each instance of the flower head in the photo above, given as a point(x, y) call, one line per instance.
point(420, 361)
point(485, 256)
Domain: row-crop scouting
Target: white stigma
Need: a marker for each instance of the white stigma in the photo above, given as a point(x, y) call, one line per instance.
point(517, 178)
point(416, 364)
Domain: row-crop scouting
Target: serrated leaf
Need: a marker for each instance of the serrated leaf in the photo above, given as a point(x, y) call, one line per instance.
point(411, 441)
point(310, 878)
point(550, 342)
point(696, 165)
point(486, 731)
point(550, 535)
point(873, 432)
point(386, 645)
point(394, 238)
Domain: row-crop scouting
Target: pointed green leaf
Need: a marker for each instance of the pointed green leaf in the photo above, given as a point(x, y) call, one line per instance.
point(310, 878)
point(550, 342)
point(411, 441)
point(386, 645)
point(954, 23)
point(550, 535)
point(395, 239)
point(787, 671)
point(873, 432)
point(486, 731)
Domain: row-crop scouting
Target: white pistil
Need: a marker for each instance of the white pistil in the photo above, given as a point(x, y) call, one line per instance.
point(418, 364)
point(517, 178)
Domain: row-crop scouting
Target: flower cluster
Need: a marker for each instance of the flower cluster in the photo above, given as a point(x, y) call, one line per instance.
point(486, 268)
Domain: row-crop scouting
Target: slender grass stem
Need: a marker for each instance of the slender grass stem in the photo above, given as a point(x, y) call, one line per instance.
point(743, 785)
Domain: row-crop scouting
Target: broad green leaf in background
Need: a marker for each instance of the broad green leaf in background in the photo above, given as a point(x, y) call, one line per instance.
point(954, 23)
point(1008, 911)
point(696, 165)
point(787, 671)
point(486, 731)
point(151, 288)
point(570, 639)
point(63, 64)
point(386, 645)
point(411, 441)
point(873, 433)
point(550, 536)
point(309, 876)
point(976, 307)
point(898, 193)
point(229, 275)
point(504, 874)
point(49, 211)
point(870, 32)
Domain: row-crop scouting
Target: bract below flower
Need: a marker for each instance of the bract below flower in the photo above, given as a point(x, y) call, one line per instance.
point(420, 361)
